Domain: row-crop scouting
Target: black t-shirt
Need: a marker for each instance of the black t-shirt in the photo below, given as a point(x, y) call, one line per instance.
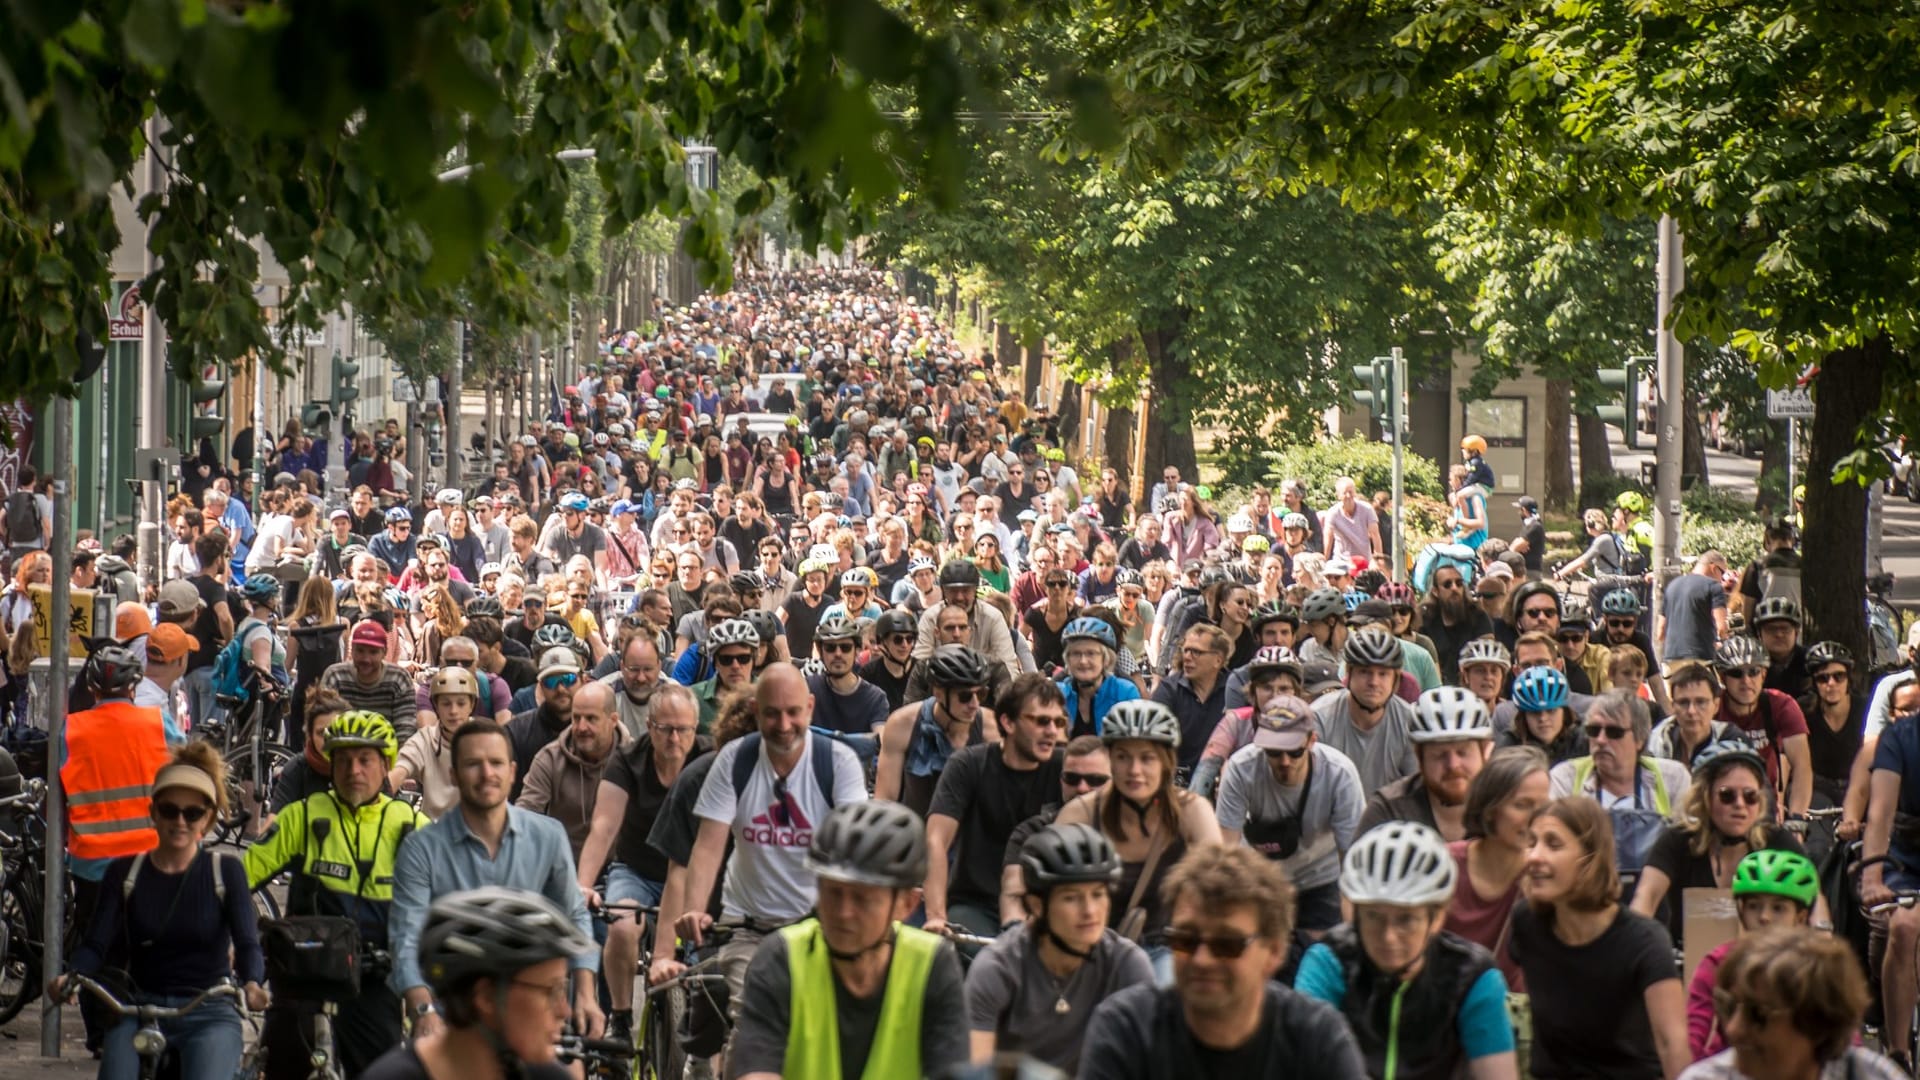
point(368, 525)
point(989, 800)
point(675, 828)
point(890, 572)
point(206, 625)
point(875, 671)
point(403, 1063)
point(802, 617)
point(517, 629)
point(631, 770)
point(1535, 534)
point(1047, 647)
point(1134, 554)
point(1672, 856)
point(745, 538)
point(1790, 677)
point(517, 671)
point(779, 399)
point(857, 713)
point(1833, 751)
point(1589, 1004)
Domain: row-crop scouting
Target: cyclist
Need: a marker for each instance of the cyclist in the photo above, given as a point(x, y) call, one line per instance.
point(843, 701)
point(1771, 720)
point(1482, 668)
point(1452, 734)
point(1273, 671)
point(1542, 718)
point(1274, 625)
point(1836, 720)
point(918, 739)
point(1035, 989)
point(1770, 889)
point(342, 845)
point(1692, 729)
point(1091, 688)
point(1890, 848)
point(1367, 722)
point(814, 988)
point(312, 773)
point(426, 760)
point(497, 960)
point(1422, 1002)
point(1775, 622)
point(1229, 927)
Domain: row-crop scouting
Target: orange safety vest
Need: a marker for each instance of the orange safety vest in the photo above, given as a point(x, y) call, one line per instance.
point(113, 752)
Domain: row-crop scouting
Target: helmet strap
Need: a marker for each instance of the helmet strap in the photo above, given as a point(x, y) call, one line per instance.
point(884, 940)
point(1061, 944)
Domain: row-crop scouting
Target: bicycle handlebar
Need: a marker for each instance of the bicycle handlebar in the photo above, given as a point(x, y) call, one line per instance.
point(571, 1048)
point(156, 1012)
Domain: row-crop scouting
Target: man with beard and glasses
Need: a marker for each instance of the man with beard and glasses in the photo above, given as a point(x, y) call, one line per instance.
point(842, 700)
point(1452, 735)
point(564, 779)
point(551, 714)
point(984, 794)
point(636, 681)
point(767, 792)
point(485, 842)
point(1224, 1016)
point(1451, 619)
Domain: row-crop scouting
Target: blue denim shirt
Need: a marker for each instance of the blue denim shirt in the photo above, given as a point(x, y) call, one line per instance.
point(445, 857)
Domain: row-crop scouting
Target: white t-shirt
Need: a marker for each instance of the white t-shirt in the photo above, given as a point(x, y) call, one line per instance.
point(264, 553)
point(767, 877)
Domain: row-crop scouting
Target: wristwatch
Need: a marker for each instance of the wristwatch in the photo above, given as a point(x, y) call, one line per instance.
point(416, 1012)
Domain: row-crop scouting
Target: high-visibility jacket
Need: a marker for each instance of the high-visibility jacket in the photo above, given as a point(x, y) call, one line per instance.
point(813, 1033)
point(342, 857)
point(114, 751)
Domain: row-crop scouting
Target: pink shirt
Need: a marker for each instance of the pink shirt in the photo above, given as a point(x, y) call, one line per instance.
point(1481, 920)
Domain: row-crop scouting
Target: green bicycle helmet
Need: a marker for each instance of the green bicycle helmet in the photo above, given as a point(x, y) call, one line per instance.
point(1777, 873)
point(362, 728)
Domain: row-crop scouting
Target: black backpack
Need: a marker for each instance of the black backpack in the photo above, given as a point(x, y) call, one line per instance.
point(23, 518)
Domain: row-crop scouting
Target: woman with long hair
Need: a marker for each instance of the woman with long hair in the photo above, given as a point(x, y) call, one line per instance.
point(1500, 802)
point(440, 618)
point(1191, 532)
point(986, 555)
point(1149, 821)
point(16, 604)
point(465, 550)
point(1229, 606)
point(314, 629)
point(1542, 716)
point(1605, 993)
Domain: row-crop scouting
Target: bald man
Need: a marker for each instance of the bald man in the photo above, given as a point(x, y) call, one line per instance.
point(564, 778)
point(769, 790)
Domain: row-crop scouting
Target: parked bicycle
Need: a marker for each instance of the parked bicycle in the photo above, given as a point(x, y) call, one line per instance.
point(23, 878)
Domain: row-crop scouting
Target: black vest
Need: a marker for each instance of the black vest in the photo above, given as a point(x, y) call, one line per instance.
point(1428, 1032)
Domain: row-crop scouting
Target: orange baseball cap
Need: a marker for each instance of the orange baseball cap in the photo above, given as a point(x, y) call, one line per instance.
point(167, 643)
point(130, 620)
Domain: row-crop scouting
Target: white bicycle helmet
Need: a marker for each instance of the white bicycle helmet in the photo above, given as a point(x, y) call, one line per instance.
point(1141, 719)
point(1485, 651)
point(732, 632)
point(1777, 609)
point(1449, 714)
point(1400, 863)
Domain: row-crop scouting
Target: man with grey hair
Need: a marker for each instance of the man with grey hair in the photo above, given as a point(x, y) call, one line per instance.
point(637, 682)
point(1693, 613)
point(1641, 792)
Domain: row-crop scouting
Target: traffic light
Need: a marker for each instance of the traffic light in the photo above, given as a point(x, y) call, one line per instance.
point(315, 418)
point(1626, 415)
point(346, 373)
point(1379, 394)
point(208, 424)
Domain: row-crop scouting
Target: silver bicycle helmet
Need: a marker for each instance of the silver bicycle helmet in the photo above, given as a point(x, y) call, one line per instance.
point(1739, 651)
point(1322, 604)
point(1373, 646)
point(1777, 609)
point(1485, 651)
point(836, 627)
point(732, 632)
point(1827, 652)
point(551, 636)
point(1401, 863)
point(1449, 714)
point(872, 842)
point(1141, 719)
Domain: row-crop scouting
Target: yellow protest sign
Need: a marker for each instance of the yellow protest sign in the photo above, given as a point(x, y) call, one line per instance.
point(79, 622)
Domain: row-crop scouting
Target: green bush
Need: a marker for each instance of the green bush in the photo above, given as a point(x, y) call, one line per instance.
point(1739, 541)
point(1709, 504)
point(1369, 463)
point(1600, 491)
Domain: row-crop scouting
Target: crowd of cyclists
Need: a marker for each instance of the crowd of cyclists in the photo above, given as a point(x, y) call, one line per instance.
point(792, 658)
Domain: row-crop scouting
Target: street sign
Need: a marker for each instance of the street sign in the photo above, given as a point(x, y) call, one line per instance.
point(1790, 404)
point(127, 320)
point(404, 391)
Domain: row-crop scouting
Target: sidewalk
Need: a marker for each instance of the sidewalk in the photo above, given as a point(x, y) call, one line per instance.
point(20, 1047)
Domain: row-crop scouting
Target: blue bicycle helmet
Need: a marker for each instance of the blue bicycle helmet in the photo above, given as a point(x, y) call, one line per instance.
point(1089, 629)
point(399, 513)
point(1620, 602)
point(1539, 689)
point(575, 501)
point(261, 589)
point(1353, 598)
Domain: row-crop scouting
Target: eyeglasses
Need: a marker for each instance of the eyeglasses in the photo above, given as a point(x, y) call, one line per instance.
point(678, 731)
point(167, 811)
point(837, 646)
point(556, 992)
point(564, 678)
point(1621, 624)
point(1827, 677)
point(734, 659)
point(1539, 612)
point(1734, 796)
point(1224, 946)
point(1084, 779)
point(1285, 755)
point(1449, 584)
point(1691, 703)
point(1613, 732)
point(901, 639)
point(1746, 673)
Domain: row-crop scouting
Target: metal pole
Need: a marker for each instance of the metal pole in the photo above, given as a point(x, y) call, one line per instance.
point(54, 917)
point(1793, 451)
point(450, 427)
point(153, 391)
point(261, 436)
point(1876, 507)
point(1397, 419)
point(536, 408)
point(1671, 374)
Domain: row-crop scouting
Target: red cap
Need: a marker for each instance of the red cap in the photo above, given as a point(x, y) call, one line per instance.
point(370, 634)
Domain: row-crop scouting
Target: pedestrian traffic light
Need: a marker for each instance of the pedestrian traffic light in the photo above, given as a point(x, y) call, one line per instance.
point(346, 374)
point(315, 418)
point(1625, 415)
point(209, 423)
point(1379, 394)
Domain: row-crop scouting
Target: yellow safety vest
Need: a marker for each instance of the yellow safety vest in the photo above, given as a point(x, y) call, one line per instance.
point(813, 1032)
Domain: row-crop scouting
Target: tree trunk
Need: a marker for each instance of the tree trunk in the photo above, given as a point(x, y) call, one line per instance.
point(1773, 459)
point(1005, 348)
point(1170, 421)
point(1693, 441)
point(1559, 448)
point(1846, 393)
point(1117, 437)
point(1036, 361)
point(1596, 457)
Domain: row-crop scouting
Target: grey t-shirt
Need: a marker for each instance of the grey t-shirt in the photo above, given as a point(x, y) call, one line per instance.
point(1253, 803)
point(591, 541)
point(1012, 994)
point(766, 1009)
point(1688, 604)
point(1382, 755)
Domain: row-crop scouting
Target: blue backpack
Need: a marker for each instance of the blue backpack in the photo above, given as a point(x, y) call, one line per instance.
point(230, 664)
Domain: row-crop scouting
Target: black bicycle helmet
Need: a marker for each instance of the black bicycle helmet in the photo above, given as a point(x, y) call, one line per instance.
point(1823, 653)
point(483, 606)
point(1067, 855)
point(747, 581)
point(894, 621)
point(764, 622)
point(956, 665)
point(958, 572)
point(1322, 604)
point(113, 670)
point(493, 931)
point(1274, 611)
point(1373, 645)
point(872, 842)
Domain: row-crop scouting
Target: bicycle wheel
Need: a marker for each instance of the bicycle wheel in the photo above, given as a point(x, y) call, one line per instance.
point(247, 795)
point(20, 962)
point(659, 1056)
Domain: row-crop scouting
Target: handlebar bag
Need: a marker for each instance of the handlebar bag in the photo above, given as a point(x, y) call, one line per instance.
point(312, 957)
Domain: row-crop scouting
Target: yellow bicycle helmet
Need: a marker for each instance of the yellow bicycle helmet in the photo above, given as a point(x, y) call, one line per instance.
point(363, 728)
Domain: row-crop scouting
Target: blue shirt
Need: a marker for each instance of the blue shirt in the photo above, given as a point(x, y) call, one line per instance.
point(445, 857)
point(1484, 1027)
point(1899, 752)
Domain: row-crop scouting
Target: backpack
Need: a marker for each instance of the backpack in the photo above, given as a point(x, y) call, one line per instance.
point(23, 518)
point(1779, 578)
point(749, 755)
point(219, 880)
point(230, 665)
point(1633, 559)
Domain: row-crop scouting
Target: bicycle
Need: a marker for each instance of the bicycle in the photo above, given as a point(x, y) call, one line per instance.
point(22, 880)
point(657, 1052)
point(602, 1057)
point(149, 1041)
point(248, 740)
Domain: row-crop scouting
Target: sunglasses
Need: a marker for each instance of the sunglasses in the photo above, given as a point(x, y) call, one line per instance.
point(1084, 779)
point(1746, 673)
point(1059, 584)
point(734, 659)
point(965, 693)
point(902, 639)
point(1613, 732)
point(1286, 755)
point(1539, 612)
point(1224, 946)
point(565, 678)
point(1572, 635)
point(1734, 796)
point(836, 646)
point(167, 811)
point(1620, 624)
point(1827, 677)
point(1449, 584)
